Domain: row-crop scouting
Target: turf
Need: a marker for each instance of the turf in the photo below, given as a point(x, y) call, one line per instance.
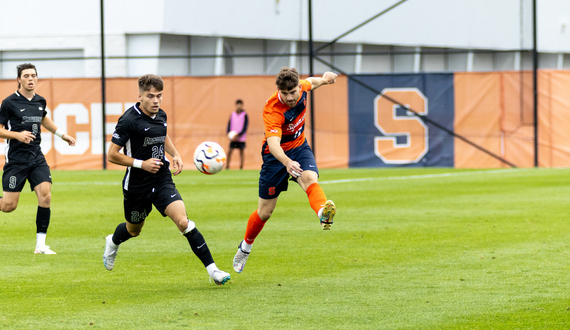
point(409, 249)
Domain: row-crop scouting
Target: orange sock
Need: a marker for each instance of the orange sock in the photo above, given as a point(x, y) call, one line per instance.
point(317, 197)
point(254, 227)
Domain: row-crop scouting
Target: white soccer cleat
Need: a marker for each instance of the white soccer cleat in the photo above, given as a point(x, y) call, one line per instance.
point(110, 253)
point(43, 250)
point(220, 277)
point(326, 214)
point(239, 259)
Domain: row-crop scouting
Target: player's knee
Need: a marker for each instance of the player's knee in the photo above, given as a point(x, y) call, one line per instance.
point(264, 214)
point(311, 177)
point(134, 233)
point(186, 226)
point(45, 200)
point(8, 207)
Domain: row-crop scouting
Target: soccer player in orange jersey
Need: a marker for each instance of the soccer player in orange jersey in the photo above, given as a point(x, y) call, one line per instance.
point(286, 154)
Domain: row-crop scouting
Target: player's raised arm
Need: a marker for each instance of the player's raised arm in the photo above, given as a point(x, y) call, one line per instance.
point(115, 156)
point(327, 79)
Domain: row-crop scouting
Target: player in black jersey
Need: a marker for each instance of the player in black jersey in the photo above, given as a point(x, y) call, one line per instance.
point(142, 134)
point(21, 115)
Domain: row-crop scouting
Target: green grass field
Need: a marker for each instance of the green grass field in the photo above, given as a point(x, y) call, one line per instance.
point(410, 249)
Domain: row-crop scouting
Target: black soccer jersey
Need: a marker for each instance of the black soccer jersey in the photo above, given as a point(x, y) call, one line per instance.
point(18, 114)
point(142, 137)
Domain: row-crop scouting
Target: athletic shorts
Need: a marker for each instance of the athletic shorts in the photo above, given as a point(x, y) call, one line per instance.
point(139, 204)
point(35, 171)
point(273, 175)
point(238, 145)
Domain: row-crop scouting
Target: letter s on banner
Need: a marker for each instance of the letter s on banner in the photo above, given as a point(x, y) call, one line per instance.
point(410, 126)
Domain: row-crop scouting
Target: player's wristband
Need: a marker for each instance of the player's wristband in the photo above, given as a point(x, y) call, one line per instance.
point(137, 163)
point(59, 132)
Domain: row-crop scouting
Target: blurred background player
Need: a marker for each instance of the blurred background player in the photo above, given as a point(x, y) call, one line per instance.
point(142, 133)
point(21, 115)
point(286, 153)
point(237, 128)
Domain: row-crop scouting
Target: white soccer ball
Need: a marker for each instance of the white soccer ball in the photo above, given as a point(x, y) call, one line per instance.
point(209, 157)
point(232, 135)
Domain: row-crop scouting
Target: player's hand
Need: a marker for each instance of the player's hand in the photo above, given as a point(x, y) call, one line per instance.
point(330, 77)
point(294, 169)
point(25, 137)
point(67, 138)
point(177, 165)
point(152, 165)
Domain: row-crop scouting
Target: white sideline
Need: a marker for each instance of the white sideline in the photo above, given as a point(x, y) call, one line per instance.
point(404, 177)
point(424, 176)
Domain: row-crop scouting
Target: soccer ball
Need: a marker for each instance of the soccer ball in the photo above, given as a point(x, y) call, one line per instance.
point(232, 135)
point(209, 157)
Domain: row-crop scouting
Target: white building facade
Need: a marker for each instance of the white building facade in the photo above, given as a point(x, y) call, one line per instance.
point(258, 37)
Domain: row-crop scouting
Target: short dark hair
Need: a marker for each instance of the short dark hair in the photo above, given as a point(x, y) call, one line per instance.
point(287, 79)
point(239, 101)
point(148, 81)
point(23, 67)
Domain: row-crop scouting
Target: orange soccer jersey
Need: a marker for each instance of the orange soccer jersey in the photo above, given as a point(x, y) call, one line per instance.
point(284, 122)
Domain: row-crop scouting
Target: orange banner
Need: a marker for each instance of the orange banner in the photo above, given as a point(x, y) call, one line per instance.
point(495, 110)
point(198, 110)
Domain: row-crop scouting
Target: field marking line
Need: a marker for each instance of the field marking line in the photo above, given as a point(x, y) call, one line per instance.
point(423, 176)
point(404, 177)
point(85, 183)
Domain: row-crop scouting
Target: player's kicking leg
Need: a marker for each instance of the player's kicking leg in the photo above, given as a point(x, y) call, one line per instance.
point(326, 214)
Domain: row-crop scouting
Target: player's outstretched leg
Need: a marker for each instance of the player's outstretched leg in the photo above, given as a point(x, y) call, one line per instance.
point(240, 258)
point(326, 214)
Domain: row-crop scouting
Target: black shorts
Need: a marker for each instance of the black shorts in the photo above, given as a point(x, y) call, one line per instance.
point(273, 175)
point(237, 145)
point(139, 204)
point(35, 171)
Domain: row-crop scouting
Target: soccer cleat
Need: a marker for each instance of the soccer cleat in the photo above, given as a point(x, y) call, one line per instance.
point(326, 214)
point(239, 259)
point(43, 250)
point(110, 253)
point(220, 277)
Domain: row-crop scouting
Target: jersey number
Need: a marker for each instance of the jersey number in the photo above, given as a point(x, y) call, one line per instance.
point(404, 125)
point(35, 129)
point(158, 152)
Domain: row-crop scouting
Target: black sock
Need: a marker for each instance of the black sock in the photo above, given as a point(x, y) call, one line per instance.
point(199, 246)
point(42, 219)
point(121, 234)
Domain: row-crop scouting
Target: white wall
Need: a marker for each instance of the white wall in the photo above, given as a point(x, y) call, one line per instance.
point(191, 27)
point(437, 23)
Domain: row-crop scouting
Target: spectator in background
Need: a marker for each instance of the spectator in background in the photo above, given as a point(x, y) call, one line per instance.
point(237, 127)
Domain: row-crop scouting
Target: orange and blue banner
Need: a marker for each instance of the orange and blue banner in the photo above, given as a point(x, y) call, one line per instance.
point(355, 125)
